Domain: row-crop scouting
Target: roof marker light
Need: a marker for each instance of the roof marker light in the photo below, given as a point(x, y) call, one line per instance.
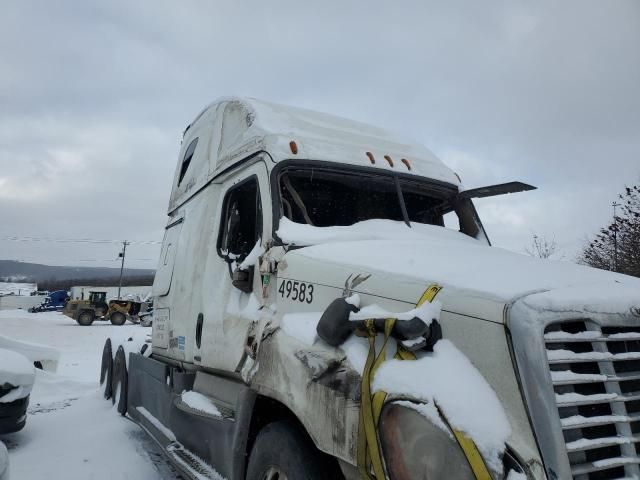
point(293, 147)
point(406, 163)
point(389, 161)
point(371, 158)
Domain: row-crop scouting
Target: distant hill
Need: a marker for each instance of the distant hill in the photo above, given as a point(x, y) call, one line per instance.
point(12, 271)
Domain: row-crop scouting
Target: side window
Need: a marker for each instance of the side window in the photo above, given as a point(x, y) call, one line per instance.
point(188, 155)
point(241, 222)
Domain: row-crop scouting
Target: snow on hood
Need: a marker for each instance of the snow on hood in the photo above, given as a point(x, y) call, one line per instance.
point(17, 371)
point(435, 254)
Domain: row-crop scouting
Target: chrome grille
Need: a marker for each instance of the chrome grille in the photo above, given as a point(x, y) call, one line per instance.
point(596, 379)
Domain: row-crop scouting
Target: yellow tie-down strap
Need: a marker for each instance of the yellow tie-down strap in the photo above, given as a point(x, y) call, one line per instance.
point(369, 454)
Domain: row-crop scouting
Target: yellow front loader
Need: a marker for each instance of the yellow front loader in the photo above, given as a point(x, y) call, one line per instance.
point(85, 312)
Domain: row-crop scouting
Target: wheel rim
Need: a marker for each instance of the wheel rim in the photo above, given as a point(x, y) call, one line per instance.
point(274, 473)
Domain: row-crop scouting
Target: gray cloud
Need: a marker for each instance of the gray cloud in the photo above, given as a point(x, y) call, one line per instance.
point(93, 97)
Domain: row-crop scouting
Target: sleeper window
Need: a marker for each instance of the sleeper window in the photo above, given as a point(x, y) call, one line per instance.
point(242, 220)
point(188, 155)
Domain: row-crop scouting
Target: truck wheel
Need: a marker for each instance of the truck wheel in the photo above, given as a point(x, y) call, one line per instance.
point(118, 318)
point(119, 382)
point(282, 452)
point(106, 369)
point(85, 318)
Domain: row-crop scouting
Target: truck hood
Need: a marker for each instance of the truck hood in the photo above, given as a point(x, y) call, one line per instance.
point(397, 257)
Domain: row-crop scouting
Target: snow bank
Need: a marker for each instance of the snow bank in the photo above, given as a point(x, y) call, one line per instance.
point(447, 378)
point(200, 402)
point(18, 371)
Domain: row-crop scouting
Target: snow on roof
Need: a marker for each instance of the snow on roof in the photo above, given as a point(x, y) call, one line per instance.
point(230, 129)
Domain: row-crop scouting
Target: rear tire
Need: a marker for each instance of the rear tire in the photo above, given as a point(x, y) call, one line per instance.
point(118, 318)
point(13, 415)
point(106, 369)
point(282, 451)
point(119, 382)
point(85, 318)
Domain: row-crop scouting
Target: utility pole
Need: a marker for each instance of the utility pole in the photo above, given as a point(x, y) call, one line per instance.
point(122, 255)
point(615, 237)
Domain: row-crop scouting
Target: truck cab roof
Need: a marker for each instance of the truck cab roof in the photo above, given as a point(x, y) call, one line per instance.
point(232, 129)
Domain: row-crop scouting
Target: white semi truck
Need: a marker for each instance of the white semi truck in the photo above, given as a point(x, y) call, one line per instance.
point(328, 305)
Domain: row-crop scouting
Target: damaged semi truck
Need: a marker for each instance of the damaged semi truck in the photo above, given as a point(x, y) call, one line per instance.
point(328, 305)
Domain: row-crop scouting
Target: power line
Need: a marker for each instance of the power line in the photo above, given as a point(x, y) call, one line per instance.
point(76, 240)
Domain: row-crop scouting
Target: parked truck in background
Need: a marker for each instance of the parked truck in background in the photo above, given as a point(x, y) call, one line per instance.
point(327, 304)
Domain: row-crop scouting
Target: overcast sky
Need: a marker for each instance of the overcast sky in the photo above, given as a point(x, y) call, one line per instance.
point(94, 97)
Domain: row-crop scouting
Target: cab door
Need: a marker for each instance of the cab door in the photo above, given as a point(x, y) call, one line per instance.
point(243, 226)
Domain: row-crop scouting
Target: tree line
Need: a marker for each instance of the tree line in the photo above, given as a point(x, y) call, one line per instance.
point(616, 247)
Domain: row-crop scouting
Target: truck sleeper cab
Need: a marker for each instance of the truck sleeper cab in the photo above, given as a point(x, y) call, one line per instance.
point(276, 215)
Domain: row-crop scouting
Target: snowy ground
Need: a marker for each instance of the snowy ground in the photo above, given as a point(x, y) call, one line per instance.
point(72, 433)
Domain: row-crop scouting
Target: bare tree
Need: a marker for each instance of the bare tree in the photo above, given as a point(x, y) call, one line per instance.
point(541, 247)
point(617, 246)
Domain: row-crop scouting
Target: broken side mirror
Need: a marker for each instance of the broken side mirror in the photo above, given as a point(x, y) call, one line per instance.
point(243, 279)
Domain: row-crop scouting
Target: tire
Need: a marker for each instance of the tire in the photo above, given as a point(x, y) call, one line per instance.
point(13, 415)
point(119, 385)
point(118, 318)
point(85, 318)
point(106, 369)
point(282, 451)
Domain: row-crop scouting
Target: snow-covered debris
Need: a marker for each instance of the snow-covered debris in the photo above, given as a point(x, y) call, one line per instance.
point(447, 378)
point(35, 352)
point(200, 402)
point(17, 371)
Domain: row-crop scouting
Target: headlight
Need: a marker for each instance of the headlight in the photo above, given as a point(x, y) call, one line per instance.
point(417, 449)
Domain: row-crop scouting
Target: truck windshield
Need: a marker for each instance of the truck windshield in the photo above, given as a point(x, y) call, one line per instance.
point(323, 198)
